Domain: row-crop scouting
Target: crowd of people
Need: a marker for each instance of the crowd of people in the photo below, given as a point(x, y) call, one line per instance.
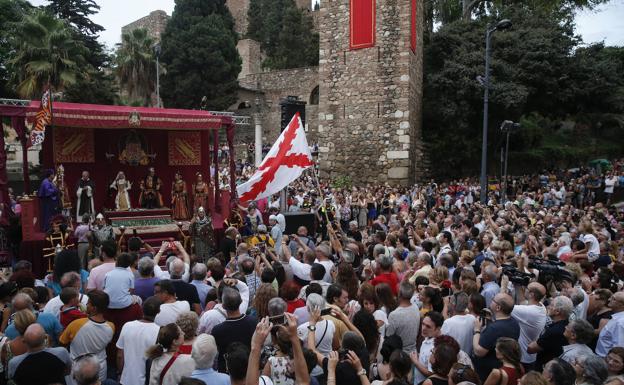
point(393, 286)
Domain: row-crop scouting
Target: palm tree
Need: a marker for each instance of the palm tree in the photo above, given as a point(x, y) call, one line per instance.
point(47, 54)
point(136, 65)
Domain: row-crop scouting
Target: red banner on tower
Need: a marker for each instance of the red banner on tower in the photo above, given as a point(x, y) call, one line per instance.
point(362, 23)
point(413, 24)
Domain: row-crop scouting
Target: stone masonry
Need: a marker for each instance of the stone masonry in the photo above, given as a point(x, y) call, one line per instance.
point(155, 23)
point(370, 105)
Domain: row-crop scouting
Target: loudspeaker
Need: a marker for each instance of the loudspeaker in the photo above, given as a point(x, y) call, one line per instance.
point(298, 219)
point(289, 107)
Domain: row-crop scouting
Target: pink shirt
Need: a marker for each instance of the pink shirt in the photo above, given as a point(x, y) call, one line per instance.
point(97, 275)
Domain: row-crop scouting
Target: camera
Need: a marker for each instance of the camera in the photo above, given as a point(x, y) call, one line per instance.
point(516, 276)
point(550, 270)
point(342, 354)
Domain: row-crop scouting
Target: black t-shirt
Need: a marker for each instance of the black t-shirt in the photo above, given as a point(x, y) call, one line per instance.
point(503, 328)
point(239, 329)
point(186, 292)
point(552, 342)
point(228, 246)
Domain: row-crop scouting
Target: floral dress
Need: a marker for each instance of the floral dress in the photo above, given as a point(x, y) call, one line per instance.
point(282, 372)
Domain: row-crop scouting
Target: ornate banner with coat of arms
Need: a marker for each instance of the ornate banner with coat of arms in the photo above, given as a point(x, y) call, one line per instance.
point(73, 145)
point(184, 148)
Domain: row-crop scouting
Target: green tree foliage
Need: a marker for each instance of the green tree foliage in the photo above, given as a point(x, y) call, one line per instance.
point(199, 49)
point(562, 93)
point(46, 52)
point(12, 12)
point(97, 84)
point(285, 32)
point(136, 65)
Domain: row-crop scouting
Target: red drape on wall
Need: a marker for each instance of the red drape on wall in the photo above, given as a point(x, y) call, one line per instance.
point(362, 23)
point(413, 24)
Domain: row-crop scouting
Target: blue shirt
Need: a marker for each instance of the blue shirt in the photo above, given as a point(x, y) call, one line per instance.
point(202, 291)
point(210, 376)
point(490, 289)
point(48, 322)
point(144, 287)
point(56, 286)
point(117, 284)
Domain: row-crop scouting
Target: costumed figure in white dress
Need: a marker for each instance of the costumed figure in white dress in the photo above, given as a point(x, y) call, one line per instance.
point(122, 185)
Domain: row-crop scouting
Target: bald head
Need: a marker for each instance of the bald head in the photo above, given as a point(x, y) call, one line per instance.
point(22, 301)
point(502, 303)
point(34, 337)
point(537, 290)
point(616, 303)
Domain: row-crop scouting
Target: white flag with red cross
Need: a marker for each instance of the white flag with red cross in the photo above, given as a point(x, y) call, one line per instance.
point(285, 162)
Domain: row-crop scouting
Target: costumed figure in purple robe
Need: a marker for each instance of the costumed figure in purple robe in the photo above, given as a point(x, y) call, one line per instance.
point(48, 199)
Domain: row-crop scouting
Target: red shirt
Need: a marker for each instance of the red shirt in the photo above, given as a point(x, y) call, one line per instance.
point(70, 314)
point(390, 278)
point(292, 305)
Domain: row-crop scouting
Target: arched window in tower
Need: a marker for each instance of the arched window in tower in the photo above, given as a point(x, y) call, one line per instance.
point(314, 96)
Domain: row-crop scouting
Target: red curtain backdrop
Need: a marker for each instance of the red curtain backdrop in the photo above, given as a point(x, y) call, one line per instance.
point(73, 145)
point(413, 26)
point(103, 171)
point(362, 23)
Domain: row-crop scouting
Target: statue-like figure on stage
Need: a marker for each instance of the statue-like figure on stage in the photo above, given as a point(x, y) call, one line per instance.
point(200, 193)
point(150, 197)
point(179, 198)
point(122, 185)
point(49, 200)
point(64, 197)
point(101, 232)
point(84, 197)
point(57, 239)
point(202, 235)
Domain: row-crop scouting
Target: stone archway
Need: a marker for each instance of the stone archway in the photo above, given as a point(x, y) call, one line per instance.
point(314, 96)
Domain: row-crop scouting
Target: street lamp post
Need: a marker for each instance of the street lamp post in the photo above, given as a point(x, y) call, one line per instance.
point(506, 127)
point(503, 24)
point(258, 133)
point(157, 53)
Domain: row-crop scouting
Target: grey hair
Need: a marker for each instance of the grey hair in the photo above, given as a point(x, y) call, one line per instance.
point(199, 271)
point(276, 306)
point(460, 302)
point(71, 279)
point(583, 330)
point(22, 297)
point(86, 371)
point(425, 257)
point(386, 261)
point(176, 268)
point(230, 299)
point(353, 223)
point(595, 369)
point(315, 301)
point(145, 266)
point(565, 237)
point(406, 291)
point(324, 249)
point(563, 305)
point(204, 351)
point(576, 296)
point(490, 271)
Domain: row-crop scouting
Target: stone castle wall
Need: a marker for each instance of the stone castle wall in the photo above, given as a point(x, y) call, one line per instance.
point(369, 114)
point(155, 23)
point(274, 85)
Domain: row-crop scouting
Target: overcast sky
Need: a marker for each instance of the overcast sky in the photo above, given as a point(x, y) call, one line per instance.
point(607, 23)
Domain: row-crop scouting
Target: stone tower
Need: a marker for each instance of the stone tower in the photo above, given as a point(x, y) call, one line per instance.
point(370, 75)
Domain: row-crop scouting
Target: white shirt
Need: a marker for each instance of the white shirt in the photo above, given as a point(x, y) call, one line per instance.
point(217, 314)
point(54, 305)
point(609, 184)
point(323, 336)
point(169, 312)
point(300, 270)
point(134, 339)
point(611, 335)
point(532, 320)
point(329, 265)
point(594, 247)
point(426, 349)
point(460, 327)
point(183, 366)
